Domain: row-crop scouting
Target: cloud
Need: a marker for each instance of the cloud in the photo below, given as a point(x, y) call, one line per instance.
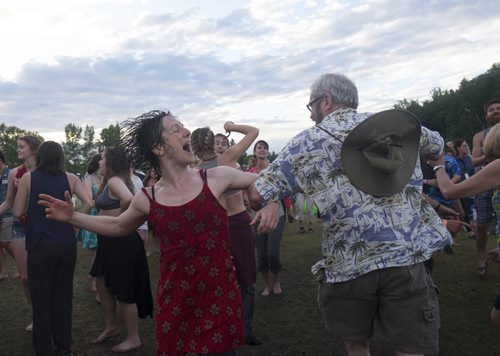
point(254, 62)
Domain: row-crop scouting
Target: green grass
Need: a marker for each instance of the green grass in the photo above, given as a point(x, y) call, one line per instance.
point(290, 324)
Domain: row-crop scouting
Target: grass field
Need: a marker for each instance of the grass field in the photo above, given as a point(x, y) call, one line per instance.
point(290, 324)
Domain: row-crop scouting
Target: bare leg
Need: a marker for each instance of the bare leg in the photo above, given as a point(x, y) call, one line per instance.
point(133, 341)
point(3, 265)
point(17, 250)
point(109, 307)
point(92, 280)
point(265, 293)
point(277, 285)
point(357, 348)
point(481, 240)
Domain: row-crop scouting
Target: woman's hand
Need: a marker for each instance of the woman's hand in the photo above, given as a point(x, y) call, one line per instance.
point(57, 209)
point(228, 126)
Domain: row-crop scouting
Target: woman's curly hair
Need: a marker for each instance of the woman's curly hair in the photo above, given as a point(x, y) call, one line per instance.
point(140, 135)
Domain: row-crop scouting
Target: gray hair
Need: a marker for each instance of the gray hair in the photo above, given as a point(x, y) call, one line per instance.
point(339, 87)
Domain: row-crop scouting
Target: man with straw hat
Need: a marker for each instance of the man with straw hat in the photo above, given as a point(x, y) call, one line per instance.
point(362, 172)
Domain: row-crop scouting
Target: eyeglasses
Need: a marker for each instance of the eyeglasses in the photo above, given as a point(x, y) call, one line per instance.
point(309, 106)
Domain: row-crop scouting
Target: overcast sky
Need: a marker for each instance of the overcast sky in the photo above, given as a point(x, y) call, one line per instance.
point(98, 62)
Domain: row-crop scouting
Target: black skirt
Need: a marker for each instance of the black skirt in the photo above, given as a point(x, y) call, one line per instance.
point(123, 263)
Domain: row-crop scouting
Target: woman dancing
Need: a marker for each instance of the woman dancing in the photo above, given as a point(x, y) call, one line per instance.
point(198, 301)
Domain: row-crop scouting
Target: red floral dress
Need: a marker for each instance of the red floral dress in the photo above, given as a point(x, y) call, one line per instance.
point(198, 303)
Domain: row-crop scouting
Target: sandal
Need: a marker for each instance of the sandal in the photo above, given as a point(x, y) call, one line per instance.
point(302, 229)
point(483, 270)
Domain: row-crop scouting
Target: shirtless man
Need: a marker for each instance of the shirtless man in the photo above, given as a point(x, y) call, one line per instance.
point(482, 202)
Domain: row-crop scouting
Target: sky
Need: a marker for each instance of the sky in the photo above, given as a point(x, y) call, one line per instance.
point(99, 62)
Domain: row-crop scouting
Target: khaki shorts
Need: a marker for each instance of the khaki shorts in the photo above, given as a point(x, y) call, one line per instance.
point(399, 305)
point(6, 229)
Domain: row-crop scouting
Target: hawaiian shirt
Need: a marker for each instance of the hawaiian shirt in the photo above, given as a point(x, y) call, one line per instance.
point(361, 233)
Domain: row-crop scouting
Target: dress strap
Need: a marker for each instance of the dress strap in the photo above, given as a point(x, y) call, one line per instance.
point(203, 174)
point(152, 193)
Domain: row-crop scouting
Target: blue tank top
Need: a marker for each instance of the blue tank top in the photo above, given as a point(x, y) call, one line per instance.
point(40, 230)
point(3, 191)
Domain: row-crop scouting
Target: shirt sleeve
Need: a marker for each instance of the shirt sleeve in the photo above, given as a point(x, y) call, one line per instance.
point(278, 181)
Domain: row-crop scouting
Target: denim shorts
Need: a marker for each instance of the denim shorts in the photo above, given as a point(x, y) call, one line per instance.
point(484, 207)
point(397, 305)
point(18, 230)
point(6, 229)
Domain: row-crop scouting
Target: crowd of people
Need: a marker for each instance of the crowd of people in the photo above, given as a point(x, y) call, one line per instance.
point(387, 190)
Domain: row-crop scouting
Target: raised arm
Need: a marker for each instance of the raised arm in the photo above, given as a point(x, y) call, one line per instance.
point(231, 155)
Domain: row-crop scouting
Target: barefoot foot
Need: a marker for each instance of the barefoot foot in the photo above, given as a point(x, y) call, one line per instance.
point(106, 335)
point(127, 345)
point(277, 289)
point(265, 293)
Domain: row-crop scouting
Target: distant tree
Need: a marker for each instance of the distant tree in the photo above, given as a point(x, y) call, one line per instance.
point(272, 156)
point(75, 161)
point(8, 142)
point(89, 146)
point(110, 137)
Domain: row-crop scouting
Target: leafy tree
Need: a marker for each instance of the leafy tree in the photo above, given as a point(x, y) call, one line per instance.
point(8, 142)
point(89, 146)
point(110, 137)
point(75, 161)
point(457, 113)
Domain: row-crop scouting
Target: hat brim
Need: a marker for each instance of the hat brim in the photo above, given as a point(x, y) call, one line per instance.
point(357, 167)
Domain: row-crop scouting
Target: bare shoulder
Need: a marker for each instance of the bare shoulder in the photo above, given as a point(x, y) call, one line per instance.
point(71, 177)
point(478, 137)
point(140, 202)
point(13, 172)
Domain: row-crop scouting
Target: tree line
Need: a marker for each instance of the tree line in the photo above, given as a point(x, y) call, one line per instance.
point(454, 113)
point(79, 146)
point(457, 114)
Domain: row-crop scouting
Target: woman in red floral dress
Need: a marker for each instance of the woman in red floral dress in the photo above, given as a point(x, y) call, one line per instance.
point(198, 302)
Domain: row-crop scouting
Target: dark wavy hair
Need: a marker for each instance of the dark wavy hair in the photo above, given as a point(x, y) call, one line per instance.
point(203, 141)
point(457, 144)
point(93, 164)
point(50, 158)
point(140, 135)
point(261, 142)
point(117, 165)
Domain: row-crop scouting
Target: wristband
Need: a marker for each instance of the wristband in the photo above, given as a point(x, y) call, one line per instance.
point(435, 168)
